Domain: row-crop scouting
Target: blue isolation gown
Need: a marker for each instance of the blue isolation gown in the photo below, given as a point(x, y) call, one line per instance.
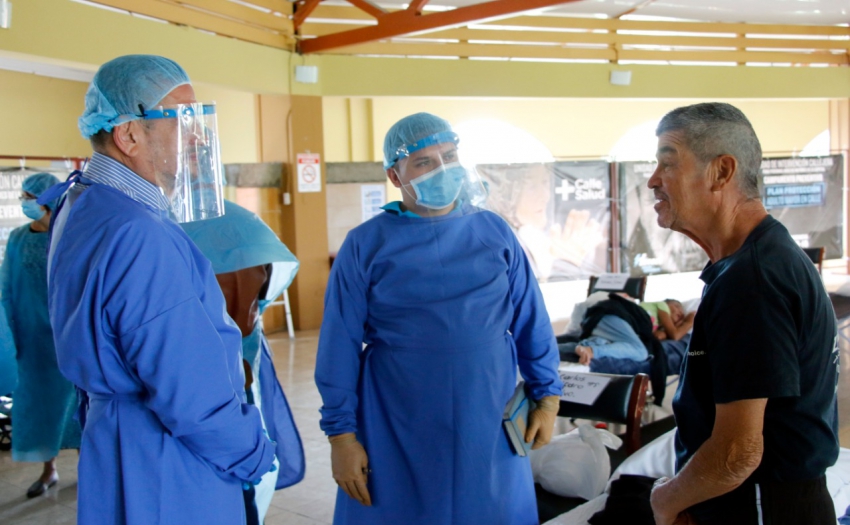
point(44, 401)
point(141, 326)
point(447, 308)
point(8, 361)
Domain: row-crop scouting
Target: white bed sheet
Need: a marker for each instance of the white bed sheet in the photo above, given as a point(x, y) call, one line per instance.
point(657, 459)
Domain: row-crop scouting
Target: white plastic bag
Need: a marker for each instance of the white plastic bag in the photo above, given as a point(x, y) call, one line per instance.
point(575, 464)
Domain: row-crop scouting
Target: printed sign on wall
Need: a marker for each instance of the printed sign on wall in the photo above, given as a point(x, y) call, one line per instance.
point(805, 194)
point(309, 172)
point(372, 196)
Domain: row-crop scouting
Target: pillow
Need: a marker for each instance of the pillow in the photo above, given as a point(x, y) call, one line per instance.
point(691, 305)
point(655, 460)
point(575, 465)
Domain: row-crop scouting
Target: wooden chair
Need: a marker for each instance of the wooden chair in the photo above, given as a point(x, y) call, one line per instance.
point(635, 287)
point(816, 255)
point(622, 402)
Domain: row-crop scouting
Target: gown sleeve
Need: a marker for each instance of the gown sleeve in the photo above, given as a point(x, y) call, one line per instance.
point(167, 335)
point(341, 342)
point(537, 351)
point(6, 278)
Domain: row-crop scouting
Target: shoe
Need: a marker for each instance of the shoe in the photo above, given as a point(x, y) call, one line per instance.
point(39, 487)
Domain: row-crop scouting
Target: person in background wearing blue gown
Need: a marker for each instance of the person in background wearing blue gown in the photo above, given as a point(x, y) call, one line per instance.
point(253, 268)
point(139, 319)
point(44, 400)
point(444, 299)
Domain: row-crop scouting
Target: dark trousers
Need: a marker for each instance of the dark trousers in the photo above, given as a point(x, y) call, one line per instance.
point(771, 503)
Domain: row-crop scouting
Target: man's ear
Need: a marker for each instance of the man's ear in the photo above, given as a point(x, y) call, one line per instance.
point(723, 170)
point(128, 137)
point(392, 174)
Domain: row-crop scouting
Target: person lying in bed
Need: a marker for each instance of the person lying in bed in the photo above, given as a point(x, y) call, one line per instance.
point(669, 320)
point(619, 329)
point(616, 338)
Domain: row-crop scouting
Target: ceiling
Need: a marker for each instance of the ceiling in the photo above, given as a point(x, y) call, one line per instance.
point(819, 12)
point(677, 32)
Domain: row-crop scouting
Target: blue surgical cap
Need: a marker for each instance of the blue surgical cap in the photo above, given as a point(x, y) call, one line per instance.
point(410, 129)
point(240, 239)
point(122, 85)
point(38, 184)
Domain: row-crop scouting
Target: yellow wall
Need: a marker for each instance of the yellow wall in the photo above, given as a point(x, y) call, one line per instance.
point(373, 77)
point(238, 122)
point(568, 127)
point(38, 116)
point(61, 30)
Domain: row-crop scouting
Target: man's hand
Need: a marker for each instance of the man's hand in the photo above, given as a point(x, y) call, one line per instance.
point(541, 422)
point(662, 515)
point(350, 466)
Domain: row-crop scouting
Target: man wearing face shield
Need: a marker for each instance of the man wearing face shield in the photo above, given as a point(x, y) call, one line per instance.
point(443, 297)
point(139, 320)
point(253, 267)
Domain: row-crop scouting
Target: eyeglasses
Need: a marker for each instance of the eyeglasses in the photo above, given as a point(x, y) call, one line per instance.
point(26, 197)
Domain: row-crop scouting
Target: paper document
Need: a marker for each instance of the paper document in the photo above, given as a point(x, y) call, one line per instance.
point(612, 281)
point(583, 389)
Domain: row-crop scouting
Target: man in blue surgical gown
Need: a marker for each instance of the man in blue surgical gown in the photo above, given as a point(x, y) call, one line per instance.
point(443, 297)
point(139, 319)
point(253, 268)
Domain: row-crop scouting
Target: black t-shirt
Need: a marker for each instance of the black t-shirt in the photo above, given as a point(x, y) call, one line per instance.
point(765, 329)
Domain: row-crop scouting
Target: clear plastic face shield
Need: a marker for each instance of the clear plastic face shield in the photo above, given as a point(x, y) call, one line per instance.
point(432, 177)
point(189, 168)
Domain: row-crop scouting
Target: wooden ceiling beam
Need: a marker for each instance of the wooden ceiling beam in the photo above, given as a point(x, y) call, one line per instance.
point(302, 10)
point(406, 22)
point(368, 7)
point(408, 48)
point(177, 14)
point(563, 22)
point(342, 13)
point(477, 50)
point(561, 37)
point(240, 13)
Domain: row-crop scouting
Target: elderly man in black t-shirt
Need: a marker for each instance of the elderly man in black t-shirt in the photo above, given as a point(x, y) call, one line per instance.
point(756, 405)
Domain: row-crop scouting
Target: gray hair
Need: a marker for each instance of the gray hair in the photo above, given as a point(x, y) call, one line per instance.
point(713, 129)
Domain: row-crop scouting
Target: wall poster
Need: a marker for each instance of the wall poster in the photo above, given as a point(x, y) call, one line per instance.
point(805, 194)
point(646, 247)
point(560, 212)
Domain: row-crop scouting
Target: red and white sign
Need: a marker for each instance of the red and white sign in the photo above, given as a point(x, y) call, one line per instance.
point(309, 172)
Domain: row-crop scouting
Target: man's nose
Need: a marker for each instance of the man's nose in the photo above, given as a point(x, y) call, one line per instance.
point(654, 181)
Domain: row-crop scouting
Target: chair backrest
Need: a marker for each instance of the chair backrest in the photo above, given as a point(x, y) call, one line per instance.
point(622, 402)
point(635, 287)
point(816, 255)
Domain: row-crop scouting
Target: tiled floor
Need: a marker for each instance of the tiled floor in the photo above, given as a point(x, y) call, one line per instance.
point(310, 502)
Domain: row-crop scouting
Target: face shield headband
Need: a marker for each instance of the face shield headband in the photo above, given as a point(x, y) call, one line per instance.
point(195, 185)
point(405, 150)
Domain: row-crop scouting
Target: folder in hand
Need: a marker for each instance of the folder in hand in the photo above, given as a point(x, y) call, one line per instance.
point(515, 419)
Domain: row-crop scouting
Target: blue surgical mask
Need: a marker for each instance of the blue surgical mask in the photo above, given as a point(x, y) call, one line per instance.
point(439, 188)
point(251, 347)
point(32, 209)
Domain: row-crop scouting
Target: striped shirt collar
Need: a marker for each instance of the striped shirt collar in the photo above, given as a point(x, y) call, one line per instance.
point(109, 172)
